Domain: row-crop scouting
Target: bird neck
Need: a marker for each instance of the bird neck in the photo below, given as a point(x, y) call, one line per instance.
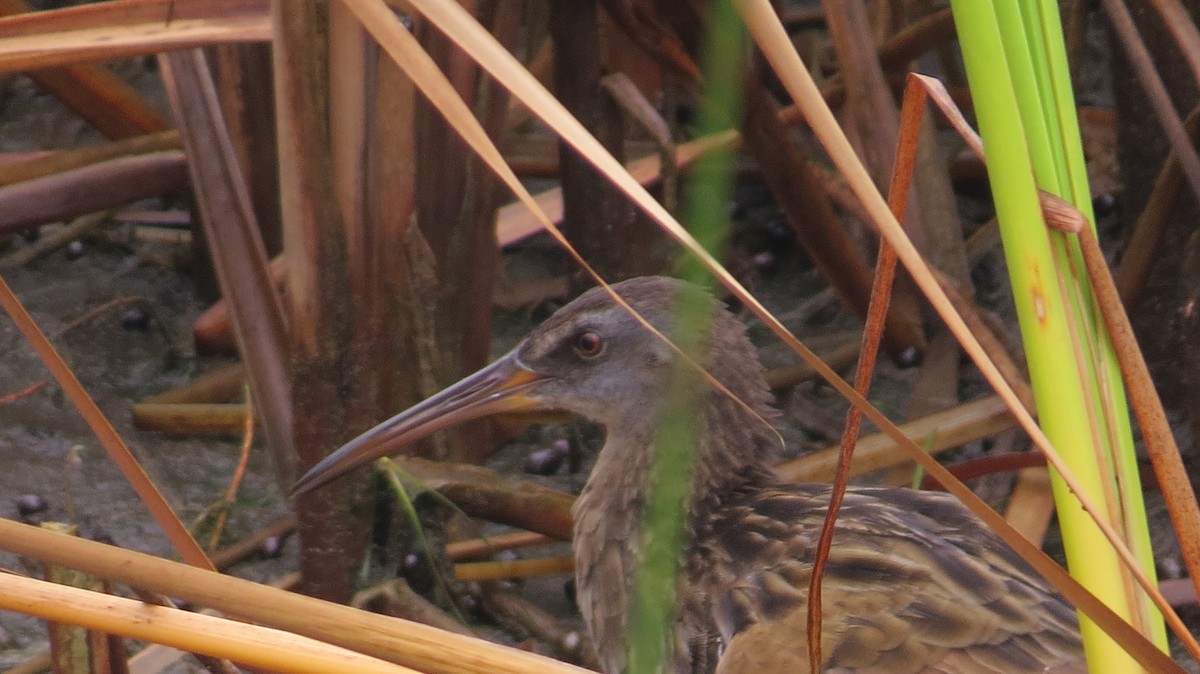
point(731, 448)
point(730, 452)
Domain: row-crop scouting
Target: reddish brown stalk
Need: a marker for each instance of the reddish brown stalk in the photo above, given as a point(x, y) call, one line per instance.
point(794, 182)
point(1160, 442)
point(27, 391)
point(988, 465)
point(885, 269)
point(910, 127)
point(105, 433)
point(311, 37)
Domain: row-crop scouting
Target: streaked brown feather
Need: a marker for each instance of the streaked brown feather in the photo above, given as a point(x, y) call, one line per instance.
point(902, 592)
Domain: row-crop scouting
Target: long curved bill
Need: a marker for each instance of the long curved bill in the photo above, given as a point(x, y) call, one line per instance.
point(500, 387)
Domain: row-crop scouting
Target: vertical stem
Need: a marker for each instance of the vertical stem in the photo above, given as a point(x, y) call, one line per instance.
point(332, 530)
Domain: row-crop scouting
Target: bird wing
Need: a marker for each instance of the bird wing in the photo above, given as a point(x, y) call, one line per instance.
point(914, 584)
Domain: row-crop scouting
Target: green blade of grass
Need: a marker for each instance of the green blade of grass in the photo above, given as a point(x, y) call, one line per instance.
point(669, 483)
point(1016, 66)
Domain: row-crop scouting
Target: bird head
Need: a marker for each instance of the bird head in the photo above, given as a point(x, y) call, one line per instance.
point(592, 357)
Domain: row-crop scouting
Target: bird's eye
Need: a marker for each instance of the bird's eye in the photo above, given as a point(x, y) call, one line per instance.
point(588, 344)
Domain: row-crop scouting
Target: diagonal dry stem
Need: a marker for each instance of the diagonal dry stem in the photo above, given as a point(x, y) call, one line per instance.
point(175, 530)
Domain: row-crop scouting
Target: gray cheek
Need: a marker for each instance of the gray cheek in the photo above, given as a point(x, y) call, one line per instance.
point(589, 400)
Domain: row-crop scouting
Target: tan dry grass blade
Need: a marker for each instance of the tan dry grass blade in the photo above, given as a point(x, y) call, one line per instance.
point(50, 50)
point(251, 645)
point(401, 641)
point(515, 222)
point(773, 40)
point(942, 430)
point(1031, 504)
point(117, 13)
point(55, 162)
point(95, 93)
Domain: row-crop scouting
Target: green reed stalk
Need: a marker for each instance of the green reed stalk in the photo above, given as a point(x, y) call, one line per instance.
point(1017, 68)
point(652, 608)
